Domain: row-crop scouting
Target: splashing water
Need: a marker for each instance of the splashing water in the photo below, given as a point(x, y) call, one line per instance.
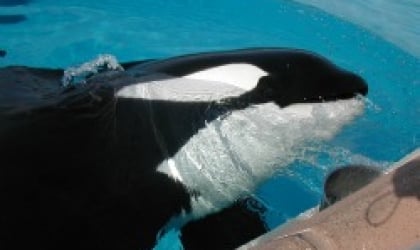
point(371, 105)
point(78, 75)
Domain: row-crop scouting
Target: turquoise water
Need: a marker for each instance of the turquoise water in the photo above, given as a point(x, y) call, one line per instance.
point(66, 33)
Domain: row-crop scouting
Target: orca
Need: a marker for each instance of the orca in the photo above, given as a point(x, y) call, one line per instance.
point(117, 161)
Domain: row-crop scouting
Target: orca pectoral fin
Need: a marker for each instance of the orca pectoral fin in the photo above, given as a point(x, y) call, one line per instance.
point(228, 229)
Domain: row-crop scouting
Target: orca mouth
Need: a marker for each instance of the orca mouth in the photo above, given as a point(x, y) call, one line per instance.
point(351, 86)
point(336, 97)
point(356, 86)
point(341, 85)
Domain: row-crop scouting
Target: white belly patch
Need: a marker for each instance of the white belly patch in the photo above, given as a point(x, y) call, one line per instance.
point(230, 157)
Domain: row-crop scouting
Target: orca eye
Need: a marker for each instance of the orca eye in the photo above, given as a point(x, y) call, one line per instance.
point(271, 84)
point(268, 92)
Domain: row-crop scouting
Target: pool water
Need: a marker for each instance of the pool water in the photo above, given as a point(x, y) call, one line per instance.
point(59, 34)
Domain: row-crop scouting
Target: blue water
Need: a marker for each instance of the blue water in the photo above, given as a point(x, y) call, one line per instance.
point(66, 33)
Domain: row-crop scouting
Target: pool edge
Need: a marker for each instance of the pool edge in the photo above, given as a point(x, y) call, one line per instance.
point(383, 215)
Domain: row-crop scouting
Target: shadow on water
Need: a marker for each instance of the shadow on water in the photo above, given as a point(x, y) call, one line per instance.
point(12, 19)
point(11, 3)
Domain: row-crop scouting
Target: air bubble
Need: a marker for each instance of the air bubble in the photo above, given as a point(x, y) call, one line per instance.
point(370, 105)
point(78, 75)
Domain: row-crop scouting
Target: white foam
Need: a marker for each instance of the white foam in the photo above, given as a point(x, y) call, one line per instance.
point(77, 75)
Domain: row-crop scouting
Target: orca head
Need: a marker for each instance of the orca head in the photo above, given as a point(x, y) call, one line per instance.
point(307, 78)
point(282, 76)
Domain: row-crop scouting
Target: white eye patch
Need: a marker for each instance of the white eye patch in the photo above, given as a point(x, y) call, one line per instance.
point(180, 89)
point(241, 75)
point(207, 85)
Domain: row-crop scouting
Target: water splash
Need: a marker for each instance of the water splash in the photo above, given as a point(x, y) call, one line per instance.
point(78, 75)
point(323, 158)
point(372, 106)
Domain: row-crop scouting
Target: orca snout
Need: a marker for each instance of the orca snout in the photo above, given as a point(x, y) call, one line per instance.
point(346, 85)
point(358, 84)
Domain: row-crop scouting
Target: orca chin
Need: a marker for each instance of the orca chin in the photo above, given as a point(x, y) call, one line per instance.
point(352, 86)
point(111, 160)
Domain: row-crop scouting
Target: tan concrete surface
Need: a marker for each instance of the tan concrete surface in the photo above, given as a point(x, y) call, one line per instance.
point(383, 215)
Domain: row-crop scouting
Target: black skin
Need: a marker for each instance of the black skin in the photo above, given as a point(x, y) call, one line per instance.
point(228, 229)
point(2, 53)
point(78, 165)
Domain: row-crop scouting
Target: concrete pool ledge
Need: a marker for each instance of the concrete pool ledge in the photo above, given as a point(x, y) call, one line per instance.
point(383, 215)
